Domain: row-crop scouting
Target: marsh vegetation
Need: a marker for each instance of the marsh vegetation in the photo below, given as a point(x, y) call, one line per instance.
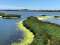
point(45, 33)
point(9, 16)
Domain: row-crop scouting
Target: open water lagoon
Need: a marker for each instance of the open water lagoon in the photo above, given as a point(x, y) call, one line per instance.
point(9, 31)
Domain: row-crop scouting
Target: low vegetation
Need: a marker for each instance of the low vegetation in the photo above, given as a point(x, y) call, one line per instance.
point(9, 16)
point(27, 36)
point(45, 33)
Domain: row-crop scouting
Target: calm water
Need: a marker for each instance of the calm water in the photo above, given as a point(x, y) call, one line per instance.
point(8, 31)
point(8, 27)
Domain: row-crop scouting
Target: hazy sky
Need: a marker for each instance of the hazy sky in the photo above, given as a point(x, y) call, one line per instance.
point(30, 4)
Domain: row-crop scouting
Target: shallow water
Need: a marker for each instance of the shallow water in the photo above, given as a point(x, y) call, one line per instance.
point(56, 21)
point(8, 31)
point(8, 27)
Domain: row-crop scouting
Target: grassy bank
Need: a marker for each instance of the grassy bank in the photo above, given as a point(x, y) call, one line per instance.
point(28, 36)
point(45, 33)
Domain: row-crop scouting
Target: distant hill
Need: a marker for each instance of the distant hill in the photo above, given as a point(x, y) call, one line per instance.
point(9, 10)
point(28, 10)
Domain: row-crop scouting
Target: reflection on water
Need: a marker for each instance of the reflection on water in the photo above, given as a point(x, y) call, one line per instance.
point(8, 31)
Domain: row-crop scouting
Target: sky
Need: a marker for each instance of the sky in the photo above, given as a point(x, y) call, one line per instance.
point(30, 4)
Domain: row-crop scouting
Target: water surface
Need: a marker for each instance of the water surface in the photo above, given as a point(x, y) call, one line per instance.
point(8, 27)
point(8, 31)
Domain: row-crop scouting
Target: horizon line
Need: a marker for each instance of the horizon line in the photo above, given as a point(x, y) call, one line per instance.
point(30, 9)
